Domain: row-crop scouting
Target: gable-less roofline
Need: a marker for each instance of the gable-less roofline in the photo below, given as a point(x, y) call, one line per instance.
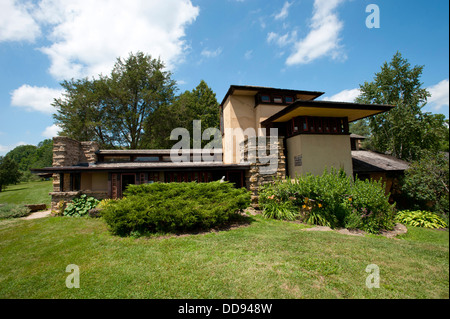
point(123, 167)
point(268, 89)
point(375, 108)
point(150, 152)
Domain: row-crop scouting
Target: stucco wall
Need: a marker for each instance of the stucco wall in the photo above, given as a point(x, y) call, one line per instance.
point(318, 151)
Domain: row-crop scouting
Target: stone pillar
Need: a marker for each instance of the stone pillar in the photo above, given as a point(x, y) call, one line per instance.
point(260, 171)
point(69, 152)
point(88, 152)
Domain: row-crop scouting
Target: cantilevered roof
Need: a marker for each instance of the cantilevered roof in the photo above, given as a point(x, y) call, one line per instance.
point(135, 166)
point(253, 90)
point(368, 162)
point(354, 111)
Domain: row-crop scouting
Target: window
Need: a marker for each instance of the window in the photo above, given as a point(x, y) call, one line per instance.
point(277, 99)
point(317, 125)
point(116, 159)
point(289, 99)
point(147, 159)
point(265, 98)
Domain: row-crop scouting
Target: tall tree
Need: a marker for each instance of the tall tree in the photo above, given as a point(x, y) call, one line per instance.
point(113, 109)
point(404, 131)
point(198, 104)
point(9, 172)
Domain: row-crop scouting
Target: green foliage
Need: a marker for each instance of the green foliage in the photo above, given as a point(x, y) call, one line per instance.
point(113, 109)
point(405, 130)
point(332, 199)
point(420, 218)
point(198, 104)
point(174, 207)
point(80, 206)
point(9, 172)
point(426, 183)
point(13, 211)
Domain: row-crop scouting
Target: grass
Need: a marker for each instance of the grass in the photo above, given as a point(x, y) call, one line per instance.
point(27, 193)
point(267, 259)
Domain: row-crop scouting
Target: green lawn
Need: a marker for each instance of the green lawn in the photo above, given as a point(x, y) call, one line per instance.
point(27, 193)
point(267, 259)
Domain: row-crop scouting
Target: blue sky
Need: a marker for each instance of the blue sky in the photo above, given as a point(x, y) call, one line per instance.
point(319, 45)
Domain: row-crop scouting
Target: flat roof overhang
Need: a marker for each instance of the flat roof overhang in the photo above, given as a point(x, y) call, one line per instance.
point(253, 90)
point(128, 167)
point(353, 111)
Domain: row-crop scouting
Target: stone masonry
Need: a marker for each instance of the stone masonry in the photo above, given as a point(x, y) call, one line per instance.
point(260, 171)
point(69, 152)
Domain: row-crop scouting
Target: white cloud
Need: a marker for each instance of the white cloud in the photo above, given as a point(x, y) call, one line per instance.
point(87, 36)
point(34, 98)
point(281, 40)
point(323, 38)
point(51, 131)
point(344, 96)
point(284, 11)
point(4, 149)
point(211, 54)
point(16, 22)
point(439, 95)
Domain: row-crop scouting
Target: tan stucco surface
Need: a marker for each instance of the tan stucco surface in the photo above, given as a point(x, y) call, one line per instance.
point(319, 151)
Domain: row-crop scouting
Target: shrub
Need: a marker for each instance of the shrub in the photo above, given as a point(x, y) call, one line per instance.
point(420, 218)
point(332, 199)
point(174, 207)
point(13, 211)
point(80, 206)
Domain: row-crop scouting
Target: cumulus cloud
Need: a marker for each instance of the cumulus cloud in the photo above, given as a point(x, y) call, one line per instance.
point(33, 98)
point(284, 11)
point(16, 22)
point(344, 96)
point(323, 38)
point(439, 95)
point(85, 37)
point(51, 131)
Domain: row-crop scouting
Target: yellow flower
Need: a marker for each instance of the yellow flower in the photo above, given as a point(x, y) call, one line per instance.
point(304, 206)
point(350, 199)
point(320, 205)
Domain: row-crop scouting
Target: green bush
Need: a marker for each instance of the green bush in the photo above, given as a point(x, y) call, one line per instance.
point(80, 206)
point(13, 211)
point(174, 207)
point(332, 199)
point(420, 218)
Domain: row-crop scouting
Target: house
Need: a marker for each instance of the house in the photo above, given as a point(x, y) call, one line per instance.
point(267, 133)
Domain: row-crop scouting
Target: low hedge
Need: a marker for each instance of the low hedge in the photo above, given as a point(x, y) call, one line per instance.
point(332, 199)
point(174, 207)
point(13, 211)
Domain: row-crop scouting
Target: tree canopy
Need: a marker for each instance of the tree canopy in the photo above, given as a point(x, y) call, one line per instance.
point(113, 109)
point(405, 131)
point(9, 172)
point(133, 107)
point(198, 104)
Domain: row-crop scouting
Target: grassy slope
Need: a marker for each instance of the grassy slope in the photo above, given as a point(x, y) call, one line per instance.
point(268, 259)
point(27, 193)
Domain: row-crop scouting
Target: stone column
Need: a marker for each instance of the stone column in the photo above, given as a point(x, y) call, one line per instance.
point(260, 171)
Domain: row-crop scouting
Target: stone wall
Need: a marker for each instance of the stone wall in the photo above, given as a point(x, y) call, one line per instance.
point(261, 171)
point(70, 152)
